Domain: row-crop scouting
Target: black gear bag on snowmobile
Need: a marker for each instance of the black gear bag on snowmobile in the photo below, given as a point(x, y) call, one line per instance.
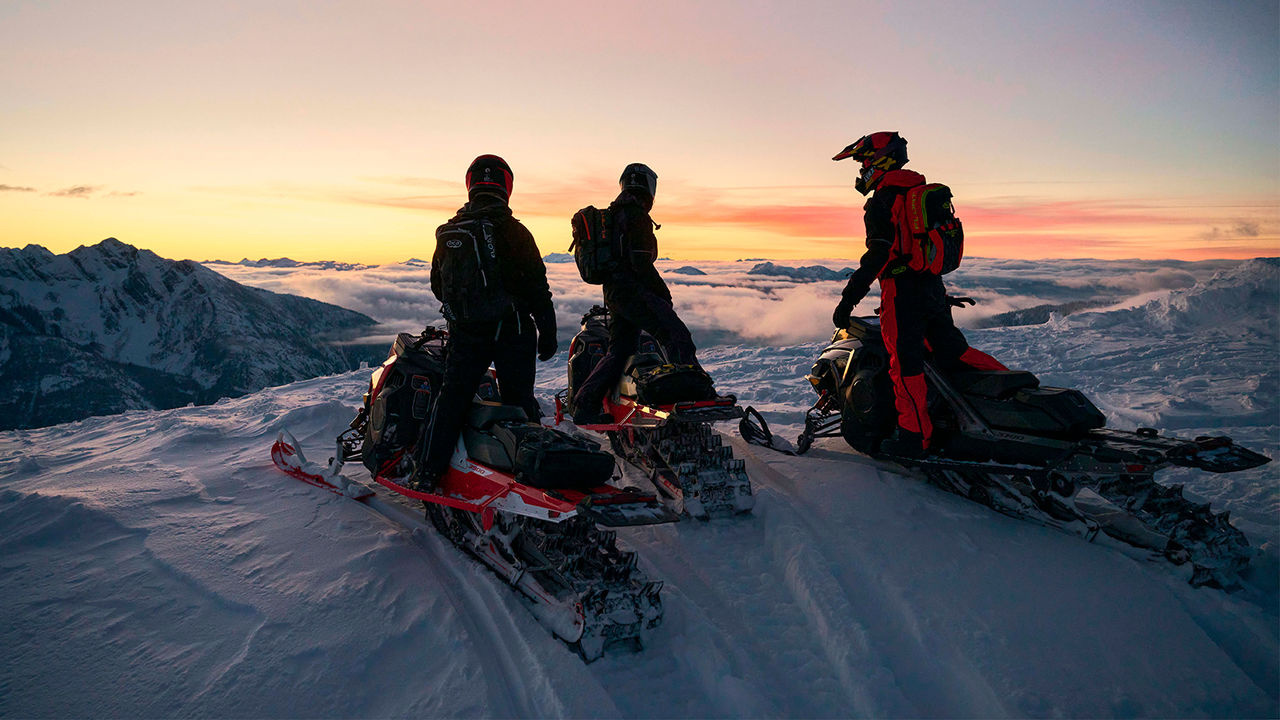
point(400, 397)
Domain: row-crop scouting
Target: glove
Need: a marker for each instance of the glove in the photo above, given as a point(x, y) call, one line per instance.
point(545, 321)
point(547, 344)
point(840, 318)
point(960, 301)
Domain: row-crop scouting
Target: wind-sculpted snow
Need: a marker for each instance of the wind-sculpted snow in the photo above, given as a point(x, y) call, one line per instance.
point(156, 564)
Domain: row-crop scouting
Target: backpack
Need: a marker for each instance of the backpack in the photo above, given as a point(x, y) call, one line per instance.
point(466, 260)
point(597, 246)
point(930, 237)
point(587, 348)
point(401, 393)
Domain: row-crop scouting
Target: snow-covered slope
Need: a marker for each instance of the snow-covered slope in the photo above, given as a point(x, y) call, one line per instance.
point(110, 327)
point(156, 564)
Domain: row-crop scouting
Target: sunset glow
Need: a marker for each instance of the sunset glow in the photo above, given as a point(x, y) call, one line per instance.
point(342, 131)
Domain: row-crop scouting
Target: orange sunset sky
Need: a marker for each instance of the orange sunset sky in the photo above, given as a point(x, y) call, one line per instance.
point(341, 130)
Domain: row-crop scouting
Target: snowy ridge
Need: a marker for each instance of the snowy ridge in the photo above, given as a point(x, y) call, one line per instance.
point(1233, 300)
point(111, 327)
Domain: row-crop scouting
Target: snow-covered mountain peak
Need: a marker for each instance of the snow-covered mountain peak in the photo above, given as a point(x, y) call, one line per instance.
point(135, 330)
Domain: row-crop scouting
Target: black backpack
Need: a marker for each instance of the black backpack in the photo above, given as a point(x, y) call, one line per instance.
point(597, 245)
point(399, 400)
point(466, 261)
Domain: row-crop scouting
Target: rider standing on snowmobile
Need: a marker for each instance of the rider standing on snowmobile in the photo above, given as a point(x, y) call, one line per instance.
point(915, 310)
point(490, 278)
point(636, 296)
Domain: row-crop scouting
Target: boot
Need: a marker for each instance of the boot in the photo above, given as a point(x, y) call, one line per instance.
point(905, 444)
point(424, 480)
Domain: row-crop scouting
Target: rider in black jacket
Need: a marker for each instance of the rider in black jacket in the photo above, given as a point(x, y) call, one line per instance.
point(636, 296)
point(528, 326)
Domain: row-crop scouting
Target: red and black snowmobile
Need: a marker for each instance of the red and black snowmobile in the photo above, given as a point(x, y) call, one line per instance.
point(663, 416)
point(530, 502)
point(1031, 451)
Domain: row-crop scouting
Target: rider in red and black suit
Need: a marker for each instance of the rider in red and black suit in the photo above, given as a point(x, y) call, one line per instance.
point(915, 310)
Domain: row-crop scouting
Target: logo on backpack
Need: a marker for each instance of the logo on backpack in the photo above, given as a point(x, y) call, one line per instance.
point(467, 265)
point(930, 236)
point(597, 247)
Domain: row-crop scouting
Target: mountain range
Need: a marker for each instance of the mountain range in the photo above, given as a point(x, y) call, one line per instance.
point(108, 328)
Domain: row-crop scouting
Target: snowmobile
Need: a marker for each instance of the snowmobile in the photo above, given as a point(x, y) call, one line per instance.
point(1036, 452)
point(663, 416)
point(532, 503)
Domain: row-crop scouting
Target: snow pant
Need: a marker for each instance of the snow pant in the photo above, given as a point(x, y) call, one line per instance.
point(914, 317)
point(633, 308)
point(512, 348)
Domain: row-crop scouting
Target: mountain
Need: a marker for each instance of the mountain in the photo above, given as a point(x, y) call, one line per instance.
point(808, 273)
point(109, 328)
point(290, 263)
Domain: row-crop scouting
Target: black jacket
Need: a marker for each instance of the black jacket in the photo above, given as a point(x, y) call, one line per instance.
point(524, 275)
point(633, 221)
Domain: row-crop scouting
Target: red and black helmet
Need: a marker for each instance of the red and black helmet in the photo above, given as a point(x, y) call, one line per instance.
point(489, 174)
point(879, 153)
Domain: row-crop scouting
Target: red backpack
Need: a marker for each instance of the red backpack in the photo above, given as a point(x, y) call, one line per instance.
point(930, 237)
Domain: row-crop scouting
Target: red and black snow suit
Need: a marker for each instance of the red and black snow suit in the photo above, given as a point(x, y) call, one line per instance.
point(915, 316)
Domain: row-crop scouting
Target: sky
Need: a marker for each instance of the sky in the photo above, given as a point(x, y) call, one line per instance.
point(342, 131)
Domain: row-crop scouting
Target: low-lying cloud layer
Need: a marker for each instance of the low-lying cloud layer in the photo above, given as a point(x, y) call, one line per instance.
point(730, 305)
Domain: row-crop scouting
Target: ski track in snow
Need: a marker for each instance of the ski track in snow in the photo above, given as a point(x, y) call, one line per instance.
point(156, 564)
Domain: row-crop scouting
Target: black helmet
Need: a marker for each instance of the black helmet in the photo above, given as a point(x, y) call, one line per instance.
point(489, 174)
point(638, 176)
point(879, 153)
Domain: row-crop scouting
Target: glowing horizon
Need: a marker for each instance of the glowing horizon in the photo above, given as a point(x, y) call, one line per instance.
point(1144, 130)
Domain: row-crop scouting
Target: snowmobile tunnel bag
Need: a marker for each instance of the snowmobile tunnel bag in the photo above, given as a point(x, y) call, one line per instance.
point(503, 438)
point(667, 384)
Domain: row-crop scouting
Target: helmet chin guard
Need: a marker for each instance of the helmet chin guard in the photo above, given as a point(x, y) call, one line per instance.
point(879, 153)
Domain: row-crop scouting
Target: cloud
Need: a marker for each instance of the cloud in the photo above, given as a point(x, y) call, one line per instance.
point(76, 191)
point(1240, 229)
point(730, 306)
point(16, 188)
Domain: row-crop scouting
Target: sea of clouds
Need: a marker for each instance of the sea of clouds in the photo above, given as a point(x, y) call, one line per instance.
point(751, 302)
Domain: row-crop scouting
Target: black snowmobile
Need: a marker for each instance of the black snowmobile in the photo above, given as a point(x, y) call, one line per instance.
point(662, 417)
point(1031, 451)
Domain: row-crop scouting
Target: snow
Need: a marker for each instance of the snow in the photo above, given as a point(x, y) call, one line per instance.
point(154, 563)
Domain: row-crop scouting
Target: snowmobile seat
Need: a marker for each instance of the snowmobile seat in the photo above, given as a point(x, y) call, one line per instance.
point(642, 361)
point(997, 384)
point(484, 445)
point(484, 414)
